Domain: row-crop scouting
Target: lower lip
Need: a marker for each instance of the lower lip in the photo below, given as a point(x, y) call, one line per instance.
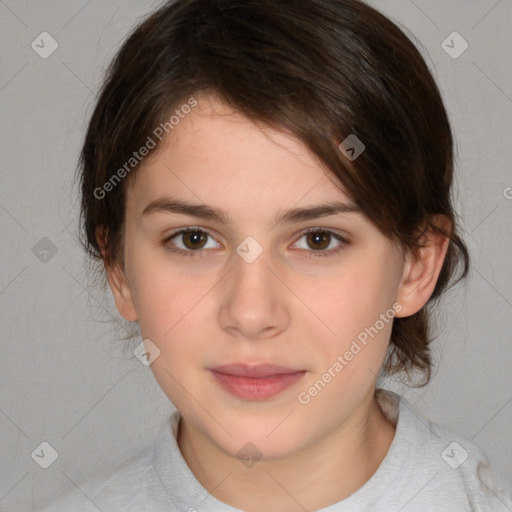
point(256, 388)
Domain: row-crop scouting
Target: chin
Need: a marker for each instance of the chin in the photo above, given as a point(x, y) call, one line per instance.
point(260, 441)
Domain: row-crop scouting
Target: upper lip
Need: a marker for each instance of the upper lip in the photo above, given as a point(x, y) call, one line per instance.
point(260, 370)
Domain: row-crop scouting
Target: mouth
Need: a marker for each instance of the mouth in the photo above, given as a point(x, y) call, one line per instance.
point(255, 382)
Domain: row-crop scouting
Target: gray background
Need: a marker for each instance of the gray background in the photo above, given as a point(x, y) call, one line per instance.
point(64, 376)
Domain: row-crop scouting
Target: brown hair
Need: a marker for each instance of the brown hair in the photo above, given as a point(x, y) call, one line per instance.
point(321, 70)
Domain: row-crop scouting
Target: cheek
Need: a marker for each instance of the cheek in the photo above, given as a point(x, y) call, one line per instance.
point(349, 301)
point(167, 304)
point(160, 297)
point(174, 308)
point(350, 305)
point(348, 363)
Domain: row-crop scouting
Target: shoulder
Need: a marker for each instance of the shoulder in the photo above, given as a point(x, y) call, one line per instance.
point(122, 487)
point(454, 471)
point(465, 473)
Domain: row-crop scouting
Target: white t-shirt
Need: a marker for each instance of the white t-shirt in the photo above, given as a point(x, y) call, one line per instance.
point(426, 469)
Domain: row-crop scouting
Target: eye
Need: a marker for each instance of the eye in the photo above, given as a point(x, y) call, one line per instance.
point(319, 240)
point(189, 241)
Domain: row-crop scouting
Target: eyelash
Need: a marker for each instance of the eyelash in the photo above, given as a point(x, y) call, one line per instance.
point(314, 254)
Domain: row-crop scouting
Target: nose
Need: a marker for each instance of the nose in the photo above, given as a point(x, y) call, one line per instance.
point(254, 302)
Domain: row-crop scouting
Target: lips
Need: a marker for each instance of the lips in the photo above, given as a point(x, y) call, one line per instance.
point(259, 382)
point(256, 371)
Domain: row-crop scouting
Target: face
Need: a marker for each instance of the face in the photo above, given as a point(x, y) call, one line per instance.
point(251, 286)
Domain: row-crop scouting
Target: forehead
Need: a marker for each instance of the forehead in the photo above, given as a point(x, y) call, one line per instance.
point(219, 157)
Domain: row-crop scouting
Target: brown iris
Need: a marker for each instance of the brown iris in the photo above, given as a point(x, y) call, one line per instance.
point(317, 237)
point(191, 239)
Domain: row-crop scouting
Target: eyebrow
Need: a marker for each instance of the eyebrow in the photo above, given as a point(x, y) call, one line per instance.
point(176, 206)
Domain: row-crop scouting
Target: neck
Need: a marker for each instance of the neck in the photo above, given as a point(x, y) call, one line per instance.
point(337, 465)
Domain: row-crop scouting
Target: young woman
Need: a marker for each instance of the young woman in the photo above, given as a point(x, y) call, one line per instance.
point(267, 184)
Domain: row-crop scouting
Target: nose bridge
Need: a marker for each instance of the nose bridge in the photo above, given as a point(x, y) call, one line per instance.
point(252, 302)
point(251, 274)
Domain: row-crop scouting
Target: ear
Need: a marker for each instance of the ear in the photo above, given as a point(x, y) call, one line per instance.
point(118, 282)
point(421, 269)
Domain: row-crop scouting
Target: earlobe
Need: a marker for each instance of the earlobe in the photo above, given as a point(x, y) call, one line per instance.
point(118, 282)
point(122, 292)
point(422, 268)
